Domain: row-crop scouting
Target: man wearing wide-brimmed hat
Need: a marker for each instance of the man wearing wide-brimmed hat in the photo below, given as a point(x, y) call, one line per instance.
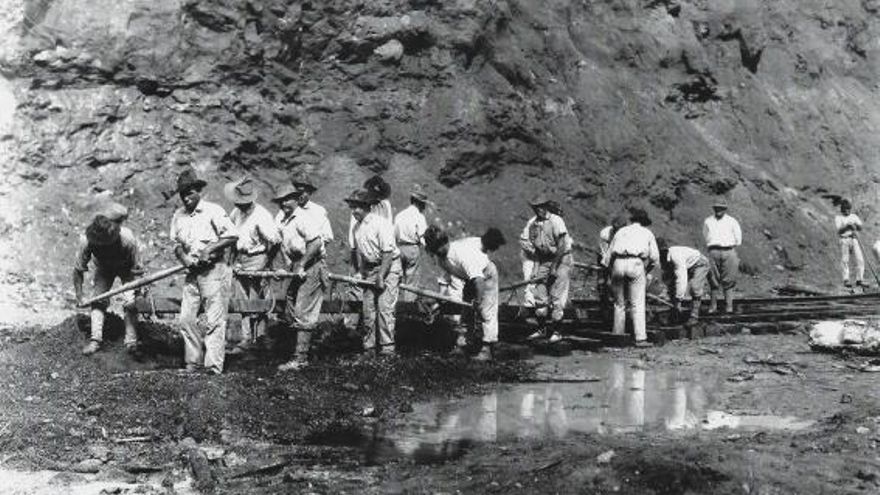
point(202, 233)
point(257, 235)
point(380, 191)
point(546, 242)
point(632, 255)
point(114, 252)
point(723, 235)
point(305, 229)
point(377, 260)
point(409, 231)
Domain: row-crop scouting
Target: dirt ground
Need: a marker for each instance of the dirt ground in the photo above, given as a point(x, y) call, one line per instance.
point(110, 423)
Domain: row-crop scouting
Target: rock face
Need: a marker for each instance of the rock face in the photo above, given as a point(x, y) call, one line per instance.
point(665, 104)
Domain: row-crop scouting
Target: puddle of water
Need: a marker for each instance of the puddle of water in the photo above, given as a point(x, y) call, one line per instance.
point(619, 397)
point(13, 482)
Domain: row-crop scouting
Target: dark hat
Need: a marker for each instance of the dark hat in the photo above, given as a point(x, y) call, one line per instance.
point(377, 185)
point(242, 191)
point(360, 197)
point(188, 179)
point(114, 211)
point(554, 208)
point(435, 238)
point(102, 231)
point(284, 192)
point(418, 194)
point(845, 203)
point(720, 204)
point(540, 200)
point(303, 183)
point(493, 239)
point(640, 216)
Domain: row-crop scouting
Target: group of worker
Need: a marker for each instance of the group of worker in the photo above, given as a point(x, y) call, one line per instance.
point(386, 251)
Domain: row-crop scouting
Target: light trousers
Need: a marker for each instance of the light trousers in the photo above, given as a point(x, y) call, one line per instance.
point(628, 283)
point(206, 347)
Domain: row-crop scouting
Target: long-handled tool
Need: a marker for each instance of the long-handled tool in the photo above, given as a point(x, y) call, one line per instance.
point(134, 284)
point(521, 283)
point(865, 257)
point(354, 281)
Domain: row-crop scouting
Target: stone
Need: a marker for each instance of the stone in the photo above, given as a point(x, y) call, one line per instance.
point(390, 52)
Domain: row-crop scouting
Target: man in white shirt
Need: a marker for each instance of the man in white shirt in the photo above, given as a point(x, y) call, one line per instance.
point(848, 224)
point(257, 234)
point(409, 231)
point(202, 231)
point(686, 272)
point(723, 235)
point(632, 255)
point(471, 276)
point(305, 229)
point(546, 241)
point(377, 259)
point(603, 278)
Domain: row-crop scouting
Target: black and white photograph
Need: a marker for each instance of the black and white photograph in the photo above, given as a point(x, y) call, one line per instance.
point(439, 247)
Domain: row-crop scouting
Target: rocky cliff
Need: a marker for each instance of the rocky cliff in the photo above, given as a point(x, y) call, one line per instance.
point(601, 103)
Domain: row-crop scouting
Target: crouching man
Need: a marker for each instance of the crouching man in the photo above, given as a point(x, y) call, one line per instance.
point(471, 275)
point(686, 272)
point(114, 251)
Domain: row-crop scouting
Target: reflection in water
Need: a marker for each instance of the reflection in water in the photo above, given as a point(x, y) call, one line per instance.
point(628, 398)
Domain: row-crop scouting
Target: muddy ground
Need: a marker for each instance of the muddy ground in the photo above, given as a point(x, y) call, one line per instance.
point(83, 425)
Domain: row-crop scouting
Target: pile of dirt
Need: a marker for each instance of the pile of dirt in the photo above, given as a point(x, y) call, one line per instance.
point(669, 104)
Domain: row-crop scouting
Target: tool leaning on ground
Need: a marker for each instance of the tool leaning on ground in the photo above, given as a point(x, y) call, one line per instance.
point(134, 284)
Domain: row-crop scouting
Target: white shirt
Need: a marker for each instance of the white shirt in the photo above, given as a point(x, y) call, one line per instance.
point(382, 208)
point(633, 240)
point(293, 245)
point(313, 222)
point(682, 259)
point(207, 224)
point(841, 221)
point(605, 240)
point(722, 233)
point(410, 226)
point(256, 230)
point(465, 259)
point(540, 237)
point(373, 237)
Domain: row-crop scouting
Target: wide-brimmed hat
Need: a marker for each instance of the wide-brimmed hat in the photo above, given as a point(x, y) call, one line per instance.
point(418, 194)
point(360, 197)
point(189, 179)
point(540, 200)
point(377, 185)
point(284, 192)
point(845, 203)
point(242, 191)
point(640, 216)
point(102, 231)
point(114, 211)
point(719, 204)
point(303, 183)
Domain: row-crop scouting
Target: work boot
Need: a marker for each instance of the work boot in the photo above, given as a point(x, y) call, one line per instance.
point(387, 350)
point(484, 355)
point(863, 284)
point(92, 347)
point(460, 345)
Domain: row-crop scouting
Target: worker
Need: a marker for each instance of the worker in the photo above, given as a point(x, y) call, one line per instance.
point(632, 255)
point(257, 236)
point(603, 277)
point(546, 241)
point(114, 252)
point(723, 235)
point(202, 232)
point(305, 230)
point(848, 225)
point(409, 231)
point(687, 272)
point(380, 189)
point(377, 260)
point(470, 275)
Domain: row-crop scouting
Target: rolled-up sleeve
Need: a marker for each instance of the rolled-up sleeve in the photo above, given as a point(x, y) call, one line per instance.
point(83, 256)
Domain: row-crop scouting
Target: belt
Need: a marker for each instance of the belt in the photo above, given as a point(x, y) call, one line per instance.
point(723, 248)
point(371, 264)
point(401, 243)
point(619, 256)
